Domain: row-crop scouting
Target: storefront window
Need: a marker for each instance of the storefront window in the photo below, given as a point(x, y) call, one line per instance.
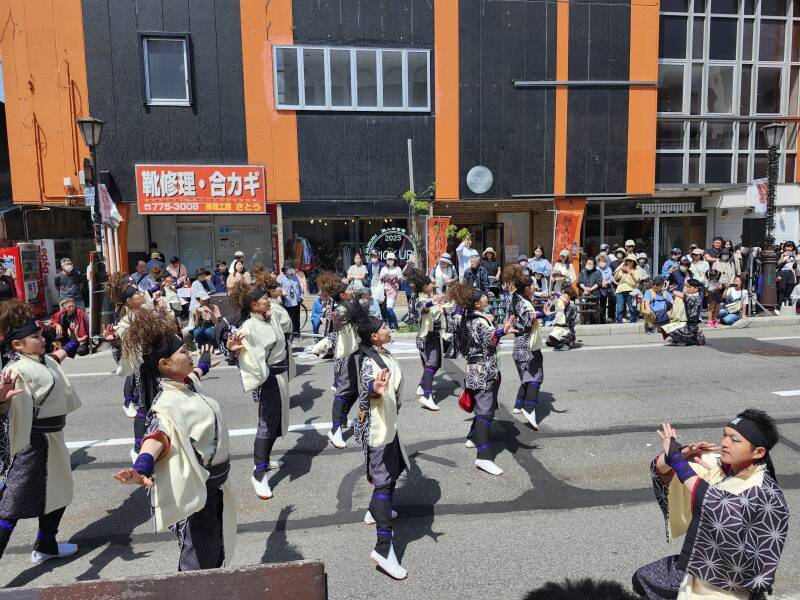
point(516, 234)
point(670, 88)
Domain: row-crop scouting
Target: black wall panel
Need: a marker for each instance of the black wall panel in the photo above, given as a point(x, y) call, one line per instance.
point(597, 119)
point(508, 130)
point(357, 155)
point(211, 131)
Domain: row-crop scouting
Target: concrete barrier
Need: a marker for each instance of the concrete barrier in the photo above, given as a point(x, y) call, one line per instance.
point(302, 580)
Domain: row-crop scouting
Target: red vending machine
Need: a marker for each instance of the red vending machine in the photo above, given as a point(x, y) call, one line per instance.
point(24, 262)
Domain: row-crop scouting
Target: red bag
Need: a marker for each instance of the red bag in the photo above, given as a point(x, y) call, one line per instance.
point(466, 401)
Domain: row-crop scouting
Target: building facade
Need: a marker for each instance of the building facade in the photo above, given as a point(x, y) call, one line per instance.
point(642, 120)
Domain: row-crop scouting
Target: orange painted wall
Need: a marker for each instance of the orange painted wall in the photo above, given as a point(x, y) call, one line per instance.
point(271, 134)
point(446, 102)
point(642, 99)
point(44, 73)
point(562, 74)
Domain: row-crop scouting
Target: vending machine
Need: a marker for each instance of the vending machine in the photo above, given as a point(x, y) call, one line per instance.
point(23, 260)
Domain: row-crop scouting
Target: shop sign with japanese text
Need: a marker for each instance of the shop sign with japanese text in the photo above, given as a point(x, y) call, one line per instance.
point(201, 189)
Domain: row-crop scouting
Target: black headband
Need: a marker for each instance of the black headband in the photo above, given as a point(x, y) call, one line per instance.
point(368, 327)
point(524, 282)
point(165, 349)
point(750, 431)
point(25, 329)
point(257, 293)
point(129, 293)
point(477, 294)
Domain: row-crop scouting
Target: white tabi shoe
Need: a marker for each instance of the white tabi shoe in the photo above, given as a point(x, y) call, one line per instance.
point(530, 417)
point(130, 411)
point(64, 550)
point(488, 466)
point(274, 464)
point(420, 391)
point(516, 411)
point(390, 565)
point(134, 456)
point(337, 440)
point(370, 521)
point(427, 402)
point(469, 444)
point(262, 488)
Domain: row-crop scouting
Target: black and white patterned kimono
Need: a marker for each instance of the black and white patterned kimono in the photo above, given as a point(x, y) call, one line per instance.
point(190, 495)
point(131, 386)
point(527, 352)
point(562, 335)
point(688, 332)
point(345, 369)
point(432, 322)
point(264, 364)
point(453, 317)
point(376, 430)
point(477, 343)
point(36, 466)
point(735, 527)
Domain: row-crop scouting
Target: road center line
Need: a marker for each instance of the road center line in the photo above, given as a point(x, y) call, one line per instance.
point(787, 393)
point(775, 339)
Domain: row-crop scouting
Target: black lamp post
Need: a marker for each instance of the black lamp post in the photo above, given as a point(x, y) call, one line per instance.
point(773, 133)
point(91, 129)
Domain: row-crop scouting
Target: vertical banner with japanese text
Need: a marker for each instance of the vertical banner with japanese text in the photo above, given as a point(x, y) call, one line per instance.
point(567, 235)
point(760, 195)
point(201, 189)
point(437, 239)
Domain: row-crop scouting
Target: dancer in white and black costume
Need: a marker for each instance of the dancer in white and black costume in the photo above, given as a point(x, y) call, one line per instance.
point(259, 345)
point(185, 456)
point(377, 430)
point(36, 396)
point(432, 321)
point(127, 299)
point(342, 336)
point(476, 338)
point(527, 352)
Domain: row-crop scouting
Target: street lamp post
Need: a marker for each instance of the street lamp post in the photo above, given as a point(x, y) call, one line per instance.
point(769, 259)
point(91, 129)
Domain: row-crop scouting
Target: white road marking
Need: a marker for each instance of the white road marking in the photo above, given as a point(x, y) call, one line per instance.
point(787, 393)
point(232, 433)
point(775, 339)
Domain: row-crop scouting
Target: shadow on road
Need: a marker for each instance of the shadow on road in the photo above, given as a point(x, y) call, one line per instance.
point(297, 460)
point(278, 548)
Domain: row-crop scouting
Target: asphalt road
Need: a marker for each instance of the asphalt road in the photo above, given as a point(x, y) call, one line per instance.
point(575, 499)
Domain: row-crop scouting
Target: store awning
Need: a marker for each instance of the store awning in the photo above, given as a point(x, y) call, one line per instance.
point(333, 208)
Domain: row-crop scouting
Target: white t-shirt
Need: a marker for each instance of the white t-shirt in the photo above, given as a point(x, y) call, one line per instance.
point(735, 295)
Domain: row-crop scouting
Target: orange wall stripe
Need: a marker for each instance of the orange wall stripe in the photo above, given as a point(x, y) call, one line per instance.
point(271, 134)
point(562, 74)
point(44, 73)
point(642, 99)
point(445, 19)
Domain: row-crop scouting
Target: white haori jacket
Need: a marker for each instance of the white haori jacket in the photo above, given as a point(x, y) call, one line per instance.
point(46, 391)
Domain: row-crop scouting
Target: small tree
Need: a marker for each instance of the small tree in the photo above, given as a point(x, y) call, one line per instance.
point(417, 207)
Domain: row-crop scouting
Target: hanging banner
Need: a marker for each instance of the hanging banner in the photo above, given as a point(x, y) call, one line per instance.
point(201, 189)
point(437, 239)
point(760, 191)
point(567, 235)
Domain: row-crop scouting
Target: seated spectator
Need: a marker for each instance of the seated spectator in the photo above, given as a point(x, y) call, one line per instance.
point(736, 301)
point(177, 269)
point(562, 336)
point(475, 275)
point(541, 287)
point(317, 311)
point(239, 272)
point(563, 273)
point(491, 264)
point(219, 279)
point(657, 304)
point(206, 317)
point(170, 296)
point(70, 322)
point(365, 297)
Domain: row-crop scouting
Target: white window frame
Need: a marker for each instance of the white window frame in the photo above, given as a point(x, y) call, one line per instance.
point(353, 80)
point(787, 64)
point(149, 100)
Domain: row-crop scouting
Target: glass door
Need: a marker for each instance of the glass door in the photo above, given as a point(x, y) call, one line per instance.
point(678, 232)
point(196, 247)
point(493, 238)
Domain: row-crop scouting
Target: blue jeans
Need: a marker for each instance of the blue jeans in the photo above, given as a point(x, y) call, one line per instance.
point(315, 323)
point(625, 300)
point(727, 318)
point(391, 317)
point(204, 336)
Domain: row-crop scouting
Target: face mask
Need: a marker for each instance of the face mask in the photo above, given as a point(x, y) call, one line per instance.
point(68, 268)
point(523, 263)
point(601, 265)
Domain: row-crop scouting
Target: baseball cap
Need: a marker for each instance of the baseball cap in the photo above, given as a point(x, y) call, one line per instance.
point(630, 243)
point(676, 251)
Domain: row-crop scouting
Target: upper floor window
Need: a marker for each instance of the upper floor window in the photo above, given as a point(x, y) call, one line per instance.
point(166, 70)
point(367, 79)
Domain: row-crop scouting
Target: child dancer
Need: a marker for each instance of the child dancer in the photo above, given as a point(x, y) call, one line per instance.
point(36, 396)
point(527, 352)
point(127, 299)
point(185, 457)
point(429, 339)
point(377, 430)
point(260, 346)
point(562, 336)
point(477, 339)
